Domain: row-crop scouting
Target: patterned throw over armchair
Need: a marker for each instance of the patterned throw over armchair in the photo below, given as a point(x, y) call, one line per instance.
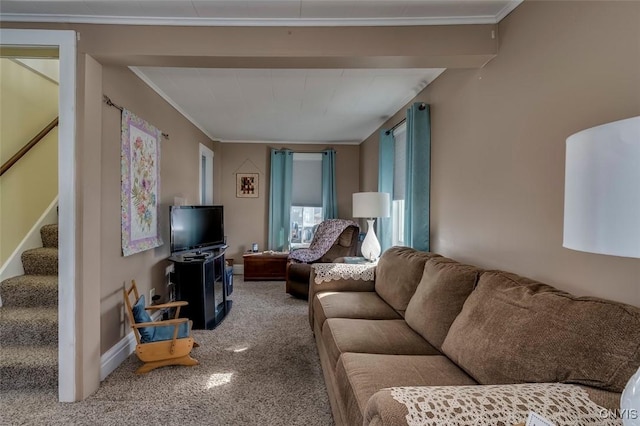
point(334, 238)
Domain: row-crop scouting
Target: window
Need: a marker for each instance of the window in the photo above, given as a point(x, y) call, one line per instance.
point(306, 198)
point(404, 167)
point(304, 221)
point(399, 185)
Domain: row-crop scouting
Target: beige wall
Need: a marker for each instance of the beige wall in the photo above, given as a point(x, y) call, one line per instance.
point(178, 177)
point(498, 142)
point(29, 102)
point(427, 46)
point(247, 219)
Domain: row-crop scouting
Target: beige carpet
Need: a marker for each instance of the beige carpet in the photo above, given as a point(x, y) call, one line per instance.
point(259, 367)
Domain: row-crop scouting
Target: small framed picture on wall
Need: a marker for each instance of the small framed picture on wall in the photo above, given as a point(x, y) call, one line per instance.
point(247, 185)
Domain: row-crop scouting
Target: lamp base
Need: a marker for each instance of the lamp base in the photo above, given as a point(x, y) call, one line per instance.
point(370, 246)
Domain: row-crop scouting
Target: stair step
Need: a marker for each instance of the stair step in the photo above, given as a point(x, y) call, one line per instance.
point(29, 291)
point(49, 235)
point(40, 261)
point(33, 367)
point(28, 326)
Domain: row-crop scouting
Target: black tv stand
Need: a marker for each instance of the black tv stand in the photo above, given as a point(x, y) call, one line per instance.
point(200, 280)
point(194, 256)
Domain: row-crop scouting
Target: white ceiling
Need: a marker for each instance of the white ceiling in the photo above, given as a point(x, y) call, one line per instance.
point(280, 105)
point(294, 105)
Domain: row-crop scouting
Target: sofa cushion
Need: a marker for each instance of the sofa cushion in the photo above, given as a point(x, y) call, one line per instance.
point(398, 273)
point(513, 330)
point(341, 285)
point(360, 304)
point(439, 298)
point(394, 337)
point(359, 376)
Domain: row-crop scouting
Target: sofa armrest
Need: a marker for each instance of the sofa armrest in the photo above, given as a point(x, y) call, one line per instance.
point(489, 404)
point(340, 284)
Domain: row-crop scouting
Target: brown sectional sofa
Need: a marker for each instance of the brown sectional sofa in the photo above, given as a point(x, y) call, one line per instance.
point(411, 346)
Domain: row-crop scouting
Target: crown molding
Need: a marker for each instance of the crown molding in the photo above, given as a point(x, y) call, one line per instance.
point(325, 142)
point(142, 76)
point(507, 9)
point(244, 22)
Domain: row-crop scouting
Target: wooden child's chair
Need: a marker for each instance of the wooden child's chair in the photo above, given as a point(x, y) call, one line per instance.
point(160, 343)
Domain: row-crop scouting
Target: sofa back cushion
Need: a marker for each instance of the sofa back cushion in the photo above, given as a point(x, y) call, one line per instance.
point(513, 330)
point(441, 293)
point(398, 273)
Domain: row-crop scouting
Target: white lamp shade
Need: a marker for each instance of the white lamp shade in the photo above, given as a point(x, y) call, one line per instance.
point(602, 189)
point(371, 204)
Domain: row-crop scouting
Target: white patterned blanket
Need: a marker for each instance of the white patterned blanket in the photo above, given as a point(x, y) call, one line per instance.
point(336, 271)
point(500, 404)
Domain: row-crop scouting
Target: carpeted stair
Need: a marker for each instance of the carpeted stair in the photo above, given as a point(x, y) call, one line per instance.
point(29, 319)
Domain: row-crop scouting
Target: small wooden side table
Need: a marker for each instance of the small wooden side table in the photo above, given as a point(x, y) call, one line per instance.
point(265, 266)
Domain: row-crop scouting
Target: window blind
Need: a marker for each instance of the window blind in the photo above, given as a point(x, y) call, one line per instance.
point(307, 180)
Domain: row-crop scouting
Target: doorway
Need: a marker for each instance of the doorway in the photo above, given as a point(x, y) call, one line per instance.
point(206, 175)
point(45, 43)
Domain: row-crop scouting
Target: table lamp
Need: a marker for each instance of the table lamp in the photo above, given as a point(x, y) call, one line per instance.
point(602, 206)
point(371, 205)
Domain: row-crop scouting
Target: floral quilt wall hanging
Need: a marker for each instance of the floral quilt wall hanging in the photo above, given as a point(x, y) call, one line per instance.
point(140, 164)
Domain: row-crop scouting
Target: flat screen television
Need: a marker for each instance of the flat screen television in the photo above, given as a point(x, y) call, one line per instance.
point(196, 228)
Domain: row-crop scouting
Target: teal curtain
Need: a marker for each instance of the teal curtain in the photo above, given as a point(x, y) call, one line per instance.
point(416, 219)
point(329, 200)
point(280, 199)
point(385, 184)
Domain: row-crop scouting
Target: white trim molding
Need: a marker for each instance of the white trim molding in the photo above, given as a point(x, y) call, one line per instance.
point(507, 9)
point(292, 142)
point(118, 353)
point(208, 154)
point(111, 359)
point(65, 41)
point(264, 22)
point(142, 76)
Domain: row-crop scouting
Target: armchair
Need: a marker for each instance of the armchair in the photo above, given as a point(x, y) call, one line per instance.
point(333, 239)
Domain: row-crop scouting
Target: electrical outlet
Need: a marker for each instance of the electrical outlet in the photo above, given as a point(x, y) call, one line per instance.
point(152, 293)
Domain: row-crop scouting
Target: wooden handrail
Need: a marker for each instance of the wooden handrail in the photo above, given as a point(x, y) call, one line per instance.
point(37, 138)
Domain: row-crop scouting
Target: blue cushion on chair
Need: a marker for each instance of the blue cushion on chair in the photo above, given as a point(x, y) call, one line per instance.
point(155, 334)
point(166, 332)
point(141, 315)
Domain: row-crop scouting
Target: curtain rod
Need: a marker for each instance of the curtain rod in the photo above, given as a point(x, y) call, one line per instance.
point(399, 123)
point(107, 100)
point(290, 151)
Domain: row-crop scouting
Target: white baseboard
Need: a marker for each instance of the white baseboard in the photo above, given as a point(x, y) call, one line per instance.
point(111, 359)
point(238, 269)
